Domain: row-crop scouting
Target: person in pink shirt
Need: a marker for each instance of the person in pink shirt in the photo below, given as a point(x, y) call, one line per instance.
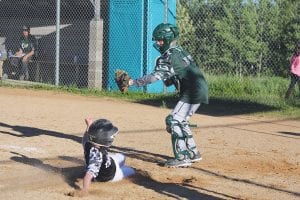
point(295, 71)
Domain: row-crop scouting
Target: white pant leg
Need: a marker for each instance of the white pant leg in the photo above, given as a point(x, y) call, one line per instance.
point(183, 112)
point(122, 171)
point(119, 158)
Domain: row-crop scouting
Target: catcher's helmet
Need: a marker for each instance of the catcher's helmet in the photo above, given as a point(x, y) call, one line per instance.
point(167, 33)
point(102, 132)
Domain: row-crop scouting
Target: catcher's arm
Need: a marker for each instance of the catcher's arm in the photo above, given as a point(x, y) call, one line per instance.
point(124, 81)
point(147, 79)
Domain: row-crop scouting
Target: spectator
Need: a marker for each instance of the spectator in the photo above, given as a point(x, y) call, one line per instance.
point(295, 71)
point(27, 47)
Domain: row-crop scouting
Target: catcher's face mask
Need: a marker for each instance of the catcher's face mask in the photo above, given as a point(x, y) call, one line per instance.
point(160, 46)
point(165, 32)
point(159, 43)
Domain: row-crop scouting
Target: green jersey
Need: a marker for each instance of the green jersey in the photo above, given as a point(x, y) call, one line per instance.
point(178, 66)
point(27, 44)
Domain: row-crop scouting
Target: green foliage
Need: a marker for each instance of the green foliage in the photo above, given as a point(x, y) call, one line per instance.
point(262, 91)
point(242, 37)
point(289, 28)
point(266, 90)
point(187, 37)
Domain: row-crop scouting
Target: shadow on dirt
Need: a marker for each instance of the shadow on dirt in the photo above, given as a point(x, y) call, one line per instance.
point(70, 174)
point(173, 190)
point(216, 106)
point(269, 187)
point(26, 131)
point(140, 155)
point(289, 133)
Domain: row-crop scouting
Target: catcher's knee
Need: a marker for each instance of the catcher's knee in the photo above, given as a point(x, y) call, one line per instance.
point(182, 127)
point(168, 122)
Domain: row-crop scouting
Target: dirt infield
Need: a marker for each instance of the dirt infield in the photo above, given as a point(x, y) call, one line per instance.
point(41, 155)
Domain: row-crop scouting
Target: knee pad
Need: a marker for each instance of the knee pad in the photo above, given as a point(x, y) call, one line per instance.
point(171, 122)
point(168, 122)
point(182, 128)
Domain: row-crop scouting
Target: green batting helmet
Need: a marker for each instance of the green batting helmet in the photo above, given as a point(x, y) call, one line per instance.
point(166, 32)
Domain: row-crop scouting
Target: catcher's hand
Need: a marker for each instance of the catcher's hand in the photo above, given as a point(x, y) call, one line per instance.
point(168, 82)
point(122, 79)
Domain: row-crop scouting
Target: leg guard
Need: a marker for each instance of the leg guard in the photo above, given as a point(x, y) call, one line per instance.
point(179, 140)
point(189, 140)
point(182, 138)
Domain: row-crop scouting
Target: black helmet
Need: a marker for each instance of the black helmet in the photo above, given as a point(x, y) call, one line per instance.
point(102, 132)
point(26, 28)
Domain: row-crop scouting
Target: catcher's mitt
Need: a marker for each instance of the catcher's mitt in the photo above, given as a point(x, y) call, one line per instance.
point(122, 79)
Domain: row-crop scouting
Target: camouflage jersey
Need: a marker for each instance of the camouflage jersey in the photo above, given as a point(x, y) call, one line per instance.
point(27, 44)
point(99, 163)
point(177, 65)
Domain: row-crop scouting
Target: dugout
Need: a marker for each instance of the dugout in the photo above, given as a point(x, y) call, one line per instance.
point(131, 23)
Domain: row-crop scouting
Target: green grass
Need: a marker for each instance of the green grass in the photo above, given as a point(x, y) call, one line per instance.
point(131, 96)
point(268, 91)
point(262, 96)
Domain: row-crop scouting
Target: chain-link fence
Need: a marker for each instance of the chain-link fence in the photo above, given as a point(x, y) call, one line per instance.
point(240, 37)
point(41, 16)
point(243, 38)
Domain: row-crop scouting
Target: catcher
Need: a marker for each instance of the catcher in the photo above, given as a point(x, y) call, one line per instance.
point(176, 66)
point(101, 165)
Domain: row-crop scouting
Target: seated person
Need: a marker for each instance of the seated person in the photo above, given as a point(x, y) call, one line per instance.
point(27, 47)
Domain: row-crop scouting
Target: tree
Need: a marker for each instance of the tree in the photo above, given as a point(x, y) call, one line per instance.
point(289, 32)
point(240, 36)
point(187, 29)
